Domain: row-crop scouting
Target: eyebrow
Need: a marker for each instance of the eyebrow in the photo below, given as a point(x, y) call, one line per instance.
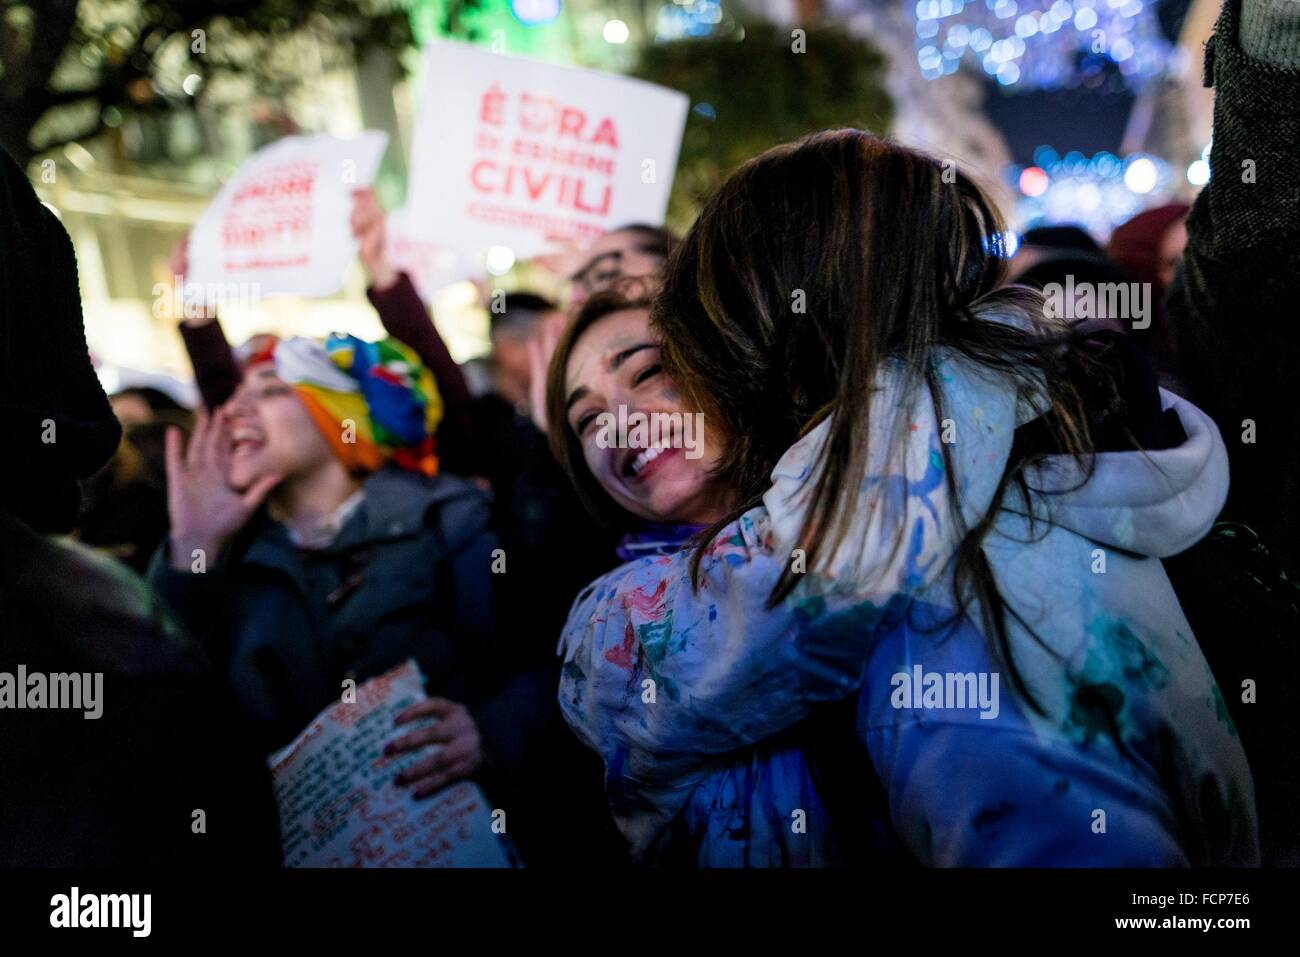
point(578, 394)
point(591, 264)
point(626, 354)
point(581, 392)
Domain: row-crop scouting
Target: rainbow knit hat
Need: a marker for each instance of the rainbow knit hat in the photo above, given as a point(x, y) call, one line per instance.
point(374, 402)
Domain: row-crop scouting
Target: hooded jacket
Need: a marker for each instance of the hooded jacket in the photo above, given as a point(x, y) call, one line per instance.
point(1113, 748)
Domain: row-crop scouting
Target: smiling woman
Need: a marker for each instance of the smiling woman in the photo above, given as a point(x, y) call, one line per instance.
point(633, 449)
point(644, 462)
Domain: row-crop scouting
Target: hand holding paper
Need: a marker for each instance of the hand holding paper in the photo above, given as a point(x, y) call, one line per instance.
point(369, 228)
point(458, 750)
point(339, 803)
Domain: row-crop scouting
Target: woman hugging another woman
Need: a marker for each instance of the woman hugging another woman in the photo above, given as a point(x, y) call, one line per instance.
point(932, 524)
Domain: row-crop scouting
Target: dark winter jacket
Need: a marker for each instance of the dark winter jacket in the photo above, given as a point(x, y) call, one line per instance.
point(409, 576)
point(157, 779)
point(1232, 312)
point(1235, 299)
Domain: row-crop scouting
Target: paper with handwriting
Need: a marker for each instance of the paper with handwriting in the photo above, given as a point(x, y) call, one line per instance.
point(339, 806)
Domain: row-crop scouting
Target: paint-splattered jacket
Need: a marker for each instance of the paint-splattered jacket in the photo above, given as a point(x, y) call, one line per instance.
point(1132, 759)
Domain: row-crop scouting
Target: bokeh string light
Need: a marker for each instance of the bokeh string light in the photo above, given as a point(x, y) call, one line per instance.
point(1042, 44)
point(1097, 192)
point(687, 18)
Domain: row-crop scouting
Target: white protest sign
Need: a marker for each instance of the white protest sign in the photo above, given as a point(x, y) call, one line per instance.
point(509, 151)
point(281, 224)
point(430, 265)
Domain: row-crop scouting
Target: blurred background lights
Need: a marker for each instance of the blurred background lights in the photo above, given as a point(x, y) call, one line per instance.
point(687, 18)
point(1141, 175)
point(499, 260)
point(615, 31)
point(1097, 192)
point(1033, 181)
point(1046, 44)
point(533, 12)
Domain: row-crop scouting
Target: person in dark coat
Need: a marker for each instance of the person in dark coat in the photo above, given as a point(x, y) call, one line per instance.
point(142, 769)
point(1231, 314)
point(1232, 308)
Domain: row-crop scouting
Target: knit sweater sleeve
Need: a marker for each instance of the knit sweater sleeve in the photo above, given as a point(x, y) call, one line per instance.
point(1270, 31)
point(216, 373)
point(1251, 202)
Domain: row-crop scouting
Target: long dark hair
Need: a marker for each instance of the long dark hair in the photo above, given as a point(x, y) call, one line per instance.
point(814, 263)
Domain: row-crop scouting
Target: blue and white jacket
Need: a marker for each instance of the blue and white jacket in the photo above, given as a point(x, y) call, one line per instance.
point(1129, 758)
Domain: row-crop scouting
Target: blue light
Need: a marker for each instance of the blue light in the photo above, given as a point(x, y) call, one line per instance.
point(1002, 245)
point(678, 22)
point(533, 12)
point(1051, 41)
point(1026, 26)
point(1085, 190)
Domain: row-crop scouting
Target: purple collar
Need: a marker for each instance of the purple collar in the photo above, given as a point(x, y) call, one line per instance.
point(655, 538)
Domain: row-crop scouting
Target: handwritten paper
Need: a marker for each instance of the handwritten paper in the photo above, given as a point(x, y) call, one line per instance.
point(340, 808)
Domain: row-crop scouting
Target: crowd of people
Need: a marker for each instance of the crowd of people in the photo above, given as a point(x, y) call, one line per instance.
point(907, 467)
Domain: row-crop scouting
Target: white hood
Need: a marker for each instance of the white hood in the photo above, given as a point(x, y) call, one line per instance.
point(1152, 503)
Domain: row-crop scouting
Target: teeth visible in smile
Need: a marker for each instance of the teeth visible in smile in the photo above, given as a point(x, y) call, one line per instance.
point(645, 458)
point(243, 437)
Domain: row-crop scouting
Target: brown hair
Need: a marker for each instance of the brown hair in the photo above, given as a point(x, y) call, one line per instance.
point(653, 240)
point(810, 266)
